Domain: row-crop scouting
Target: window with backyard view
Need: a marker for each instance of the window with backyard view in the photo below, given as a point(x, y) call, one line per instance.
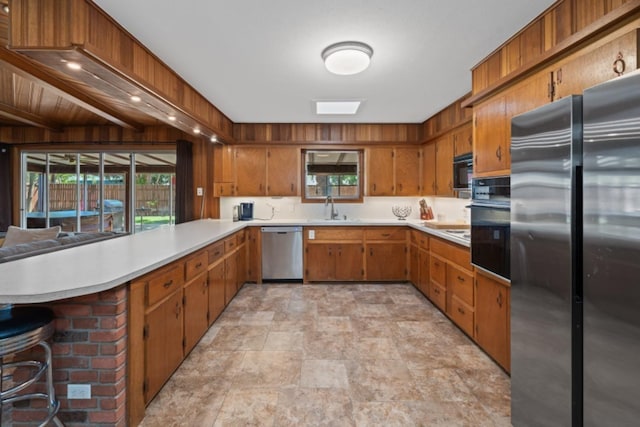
point(93, 191)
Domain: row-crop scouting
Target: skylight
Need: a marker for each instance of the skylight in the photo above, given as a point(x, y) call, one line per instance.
point(337, 107)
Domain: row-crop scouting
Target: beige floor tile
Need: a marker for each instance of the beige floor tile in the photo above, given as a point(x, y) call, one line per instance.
point(269, 369)
point(324, 374)
point(333, 355)
point(286, 341)
point(248, 407)
point(381, 381)
point(314, 407)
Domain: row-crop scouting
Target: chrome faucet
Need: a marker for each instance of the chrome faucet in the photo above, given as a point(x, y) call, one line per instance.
point(334, 212)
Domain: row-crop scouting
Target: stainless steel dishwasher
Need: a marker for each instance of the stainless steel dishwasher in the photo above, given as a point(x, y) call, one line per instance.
point(282, 253)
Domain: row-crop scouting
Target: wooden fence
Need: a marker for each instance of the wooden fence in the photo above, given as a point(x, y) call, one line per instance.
point(148, 196)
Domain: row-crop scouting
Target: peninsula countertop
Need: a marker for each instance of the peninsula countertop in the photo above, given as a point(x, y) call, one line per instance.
point(96, 267)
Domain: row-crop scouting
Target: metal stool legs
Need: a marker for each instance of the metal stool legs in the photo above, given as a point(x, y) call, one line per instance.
point(22, 331)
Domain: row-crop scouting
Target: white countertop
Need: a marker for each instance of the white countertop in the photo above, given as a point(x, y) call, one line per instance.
point(96, 267)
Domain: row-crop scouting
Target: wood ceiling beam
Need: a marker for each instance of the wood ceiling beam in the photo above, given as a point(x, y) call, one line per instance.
point(27, 118)
point(19, 64)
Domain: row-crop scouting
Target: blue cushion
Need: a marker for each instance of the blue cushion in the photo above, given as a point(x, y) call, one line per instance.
point(19, 320)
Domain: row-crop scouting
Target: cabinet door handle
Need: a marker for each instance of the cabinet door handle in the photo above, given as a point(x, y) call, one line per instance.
point(198, 265)
point(168, 284)
point(399, 187)
point(292, 187)
point(436, 290)
point(460, 310)
point(499, 299)
point(371, 252)
point(374, 187)
point(386, 234)
point(178, 309)
point(499, 152)
point(461, 279)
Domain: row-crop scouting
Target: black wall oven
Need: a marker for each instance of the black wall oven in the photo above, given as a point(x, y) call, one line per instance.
point(491, 225)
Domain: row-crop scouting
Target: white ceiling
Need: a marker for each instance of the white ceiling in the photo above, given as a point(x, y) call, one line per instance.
point(259, 61)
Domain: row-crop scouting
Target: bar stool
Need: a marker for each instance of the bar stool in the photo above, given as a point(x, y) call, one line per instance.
point(22, 328)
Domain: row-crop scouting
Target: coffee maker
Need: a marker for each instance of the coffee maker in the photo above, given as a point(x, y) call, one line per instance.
point(246, 211)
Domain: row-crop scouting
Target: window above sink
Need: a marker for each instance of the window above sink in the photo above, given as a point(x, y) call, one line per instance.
point(335, 173)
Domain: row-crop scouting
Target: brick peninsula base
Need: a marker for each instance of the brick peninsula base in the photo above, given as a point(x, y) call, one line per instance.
point(89, 347)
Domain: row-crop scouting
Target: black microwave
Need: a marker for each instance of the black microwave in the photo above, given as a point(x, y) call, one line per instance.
point(462, 171)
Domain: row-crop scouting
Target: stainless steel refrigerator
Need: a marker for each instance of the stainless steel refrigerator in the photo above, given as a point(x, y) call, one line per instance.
point(575, 260)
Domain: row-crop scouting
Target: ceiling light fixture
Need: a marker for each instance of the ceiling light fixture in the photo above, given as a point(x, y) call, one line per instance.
point(346, 58)
point(196, 131)
point(172, 118)
point(74, 65)
point(214, 138)
point(135, 98)
point(5, 7)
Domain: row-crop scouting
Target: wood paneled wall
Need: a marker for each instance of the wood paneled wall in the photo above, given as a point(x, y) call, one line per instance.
point(446, 120)
point(326, 133)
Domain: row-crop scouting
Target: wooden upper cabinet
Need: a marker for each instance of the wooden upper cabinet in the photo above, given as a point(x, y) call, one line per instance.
point(379, 167)
point(574, 76)
point(444, 166)
point(490, 139)
point(251, 171)
point(407, 171)
point(393, 171)
point(283, 166)
point(429, 169)
point(463, 140)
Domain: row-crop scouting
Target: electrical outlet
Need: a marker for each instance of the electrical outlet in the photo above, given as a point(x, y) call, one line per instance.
point(312, 234)
point(199, 191)
point(78, 391)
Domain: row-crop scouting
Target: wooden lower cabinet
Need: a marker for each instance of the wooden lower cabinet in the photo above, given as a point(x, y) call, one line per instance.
point(424, 272)
point(230, 277)
point(196, 311)
point(334, 262)
point(386, 261)
point(163, 343)
point(216, 297)
point(414, 265)
point(493, 318)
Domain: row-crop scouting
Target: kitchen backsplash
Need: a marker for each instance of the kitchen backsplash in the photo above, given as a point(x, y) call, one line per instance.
point(444, 208)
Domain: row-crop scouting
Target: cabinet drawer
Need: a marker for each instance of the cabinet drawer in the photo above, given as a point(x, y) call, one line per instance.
point(196, 264)
point(336, 233)
point(438, 296)
point(216, 251)
point(462, 315)
point(461, 284)
point(414, 235)
point(386, 233)
point(230, 244)
point(454, 253)
point(164, 283)
point(438, 270)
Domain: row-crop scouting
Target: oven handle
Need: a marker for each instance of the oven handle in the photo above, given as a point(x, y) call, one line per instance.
point(490, 206)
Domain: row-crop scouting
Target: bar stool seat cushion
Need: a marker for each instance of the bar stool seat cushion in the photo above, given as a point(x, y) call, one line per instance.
point(19, 320)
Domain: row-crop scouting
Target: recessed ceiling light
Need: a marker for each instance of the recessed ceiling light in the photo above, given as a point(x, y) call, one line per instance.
point(214, 138)
point(196, 131)
point(5, 7)
point(346, 58)
point(74, 66)
point(135, 98)
point(337, 107)
point(172, 118)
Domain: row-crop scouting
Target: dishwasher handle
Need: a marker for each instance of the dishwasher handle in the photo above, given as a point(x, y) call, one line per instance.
point(281, 230)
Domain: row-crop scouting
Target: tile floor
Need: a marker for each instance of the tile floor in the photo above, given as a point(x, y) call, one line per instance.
point(333, 355)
